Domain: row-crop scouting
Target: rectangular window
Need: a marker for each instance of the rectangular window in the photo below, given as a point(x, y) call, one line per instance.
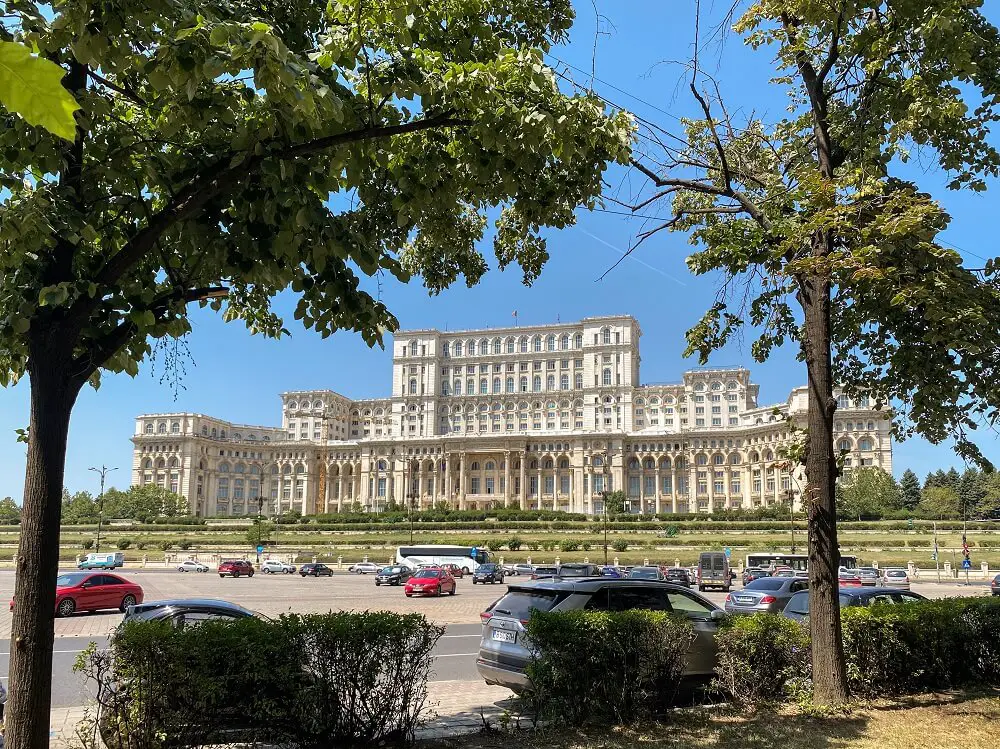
point(533, 485)
point(633, 486)
point(666, 484)
point(564, 484)
point(650, 485)
point(702, 482)
point(734, 487)
point(381, 487)
point(550, 483)
point(598, 484)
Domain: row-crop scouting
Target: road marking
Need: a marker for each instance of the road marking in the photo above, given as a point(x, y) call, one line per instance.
point(445, 637)
point(455, 655)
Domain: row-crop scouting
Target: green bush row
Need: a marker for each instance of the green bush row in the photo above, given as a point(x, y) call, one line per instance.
point(339, 679)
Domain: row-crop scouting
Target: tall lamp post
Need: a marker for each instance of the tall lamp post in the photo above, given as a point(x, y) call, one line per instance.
point(411, 498)
point(103, 470)
point(790, 494)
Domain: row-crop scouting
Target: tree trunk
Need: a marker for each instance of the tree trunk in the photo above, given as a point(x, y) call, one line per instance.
point(829, 669)
point(53, 394)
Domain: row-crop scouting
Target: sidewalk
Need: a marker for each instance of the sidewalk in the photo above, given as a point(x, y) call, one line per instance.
point(452, 708)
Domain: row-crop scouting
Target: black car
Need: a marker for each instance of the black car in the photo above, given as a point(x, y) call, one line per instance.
point(488, 573)
point(183, 612)
point(395, 575)
point(315, 570)
point(678, 576)
point(578, 569)
point(797, 607)
point(995, 585)
point(754, 573)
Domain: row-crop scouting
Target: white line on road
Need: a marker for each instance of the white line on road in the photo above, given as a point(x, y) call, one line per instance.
point(455, 655)
point(445, 637)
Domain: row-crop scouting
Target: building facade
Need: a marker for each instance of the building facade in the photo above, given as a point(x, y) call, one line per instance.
point(541, 417)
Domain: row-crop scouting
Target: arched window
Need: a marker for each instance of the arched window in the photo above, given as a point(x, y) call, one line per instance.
point(223, 468)
point(578, 340)
point(524, 384)
point(537, 343)
point(497, 346)
point(413, 386)
point(865, 444)
point(843, 402)
point(147, 463)
point(458, 348)
point(633, 464)
point(490, 465)
point(606, 379)
point(606, 335)
point(444, 348)
point(175, 427)
point(381, 465)
point(564, 341)
point(550, 342)
point(413, 348)
point(496, 384)
point(474, 466)
point(484, 347)
point(844, 445)
point(149, 428)
point(734, 459)
point(471, 345)
point(510, 384)
point(718, 460)
point(536, 383)
point(510, 345)
point(649, 464)
point(161, 428)
point(598, 460)
point(524, 344)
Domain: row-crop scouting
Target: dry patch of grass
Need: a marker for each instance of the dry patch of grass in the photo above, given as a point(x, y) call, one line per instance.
point(941, 721)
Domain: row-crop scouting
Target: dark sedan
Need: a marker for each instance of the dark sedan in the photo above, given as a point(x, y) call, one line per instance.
point(395, 575)
point(183, 612)
point(754, 573)
point(315, 570)
point(488, 573)
point(678, 576)
point(798, 605)
point(995, 585)
point(768, 594)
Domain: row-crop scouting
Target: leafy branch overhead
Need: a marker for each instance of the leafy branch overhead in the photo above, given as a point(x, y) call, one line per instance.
point(228, 151)
point(868, 82)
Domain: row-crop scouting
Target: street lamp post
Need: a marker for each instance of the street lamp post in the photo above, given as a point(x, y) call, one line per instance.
point(103, 471)
point(411, 497)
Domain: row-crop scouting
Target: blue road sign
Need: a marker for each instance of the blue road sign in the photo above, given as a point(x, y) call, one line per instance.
point(260, 549)
point(966, 564)
point(475, 552)
point(729, 552)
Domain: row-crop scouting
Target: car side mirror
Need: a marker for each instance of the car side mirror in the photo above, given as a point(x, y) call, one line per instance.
point(718, 615)
point(87, 584)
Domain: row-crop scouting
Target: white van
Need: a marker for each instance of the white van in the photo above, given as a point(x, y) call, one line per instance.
point(102, 561)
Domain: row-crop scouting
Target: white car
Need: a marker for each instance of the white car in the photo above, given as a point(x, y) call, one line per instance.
point(895, 578)
point(276, 567)
point(189, 565)
point(365, 568)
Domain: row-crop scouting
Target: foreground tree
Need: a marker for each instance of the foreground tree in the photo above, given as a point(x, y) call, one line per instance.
point(821, 242)
point(228, 150)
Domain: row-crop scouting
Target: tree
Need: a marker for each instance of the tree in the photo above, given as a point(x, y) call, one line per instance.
point(614, 502)
point(951, 479)
point(820, 242)
point(939, 503)
point(260, 531)
point(78, 508)
point(909, 490)
point(229, 150)
point(9, 511)
point(970, 492)
point(989, 502)
point(868, 492)
point(143, 503)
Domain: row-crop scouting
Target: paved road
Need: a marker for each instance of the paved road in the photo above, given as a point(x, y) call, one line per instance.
point(454, 660)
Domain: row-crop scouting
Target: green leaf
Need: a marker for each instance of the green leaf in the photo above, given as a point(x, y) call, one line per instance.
point(32, 87)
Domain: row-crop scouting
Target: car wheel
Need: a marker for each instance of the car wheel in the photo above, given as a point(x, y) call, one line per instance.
point(473, 581)
point(66, 607)
point(127, 601)
point(701, 588)
point(409, 595)
point(452, 590)
point(377, 583)
point(250, 574)
point(221, 575)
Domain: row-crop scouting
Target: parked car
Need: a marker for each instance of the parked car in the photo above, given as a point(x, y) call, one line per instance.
point(797, 607)
point(190, 565)
point(677, 576)
point(364, 568)
point(433, 581)
point(315, 570)
point(769, 594)
point(276, 567)
point(90, 591)
point(995, 585)
point(754, 573)
point(895, 578)
point(578, 569)
point(848, 578)
point(544, 570)
point(487, 573)
point(101, 561)
point(612, 572)
point(504, 652)
point(645, 573)
point(523, 569)
point(484, 617)
point(868, 575)
point(456, 571)
point(185, 612)
point(713, 571)
point(236, 568)
point(397, 574)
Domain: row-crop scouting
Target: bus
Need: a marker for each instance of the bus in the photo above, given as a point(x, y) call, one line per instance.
point(768, 560)
point(466, 557)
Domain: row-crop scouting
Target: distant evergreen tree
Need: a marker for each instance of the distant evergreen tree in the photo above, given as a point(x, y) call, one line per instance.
point(952, 479)
point(970, 492)
point(909, 490)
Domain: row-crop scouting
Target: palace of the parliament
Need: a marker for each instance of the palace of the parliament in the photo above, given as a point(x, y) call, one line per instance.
point(540, 417)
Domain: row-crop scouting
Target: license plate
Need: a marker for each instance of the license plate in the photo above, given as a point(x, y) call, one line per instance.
point(745, 599)
point(500, 636)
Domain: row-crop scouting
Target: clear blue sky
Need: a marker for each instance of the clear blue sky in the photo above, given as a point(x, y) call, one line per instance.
point(238, 377)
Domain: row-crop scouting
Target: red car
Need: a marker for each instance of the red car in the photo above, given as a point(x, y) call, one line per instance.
point(93, 591)
point(455, 570)
point(433, 581)
point(236, 568)
point(849, 578)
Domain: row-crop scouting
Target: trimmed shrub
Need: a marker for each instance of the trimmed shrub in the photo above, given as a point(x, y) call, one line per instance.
point(141, 545)
point(88, 543)
point(513, 543)
point(759, 657)
point(185, 544)
point(166, 545)
point(620, 545)
point(123, 543)
point(339, 679)
point(567, 545)
point(605, 668)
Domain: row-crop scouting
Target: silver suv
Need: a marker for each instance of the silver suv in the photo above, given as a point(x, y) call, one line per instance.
point(504, 652)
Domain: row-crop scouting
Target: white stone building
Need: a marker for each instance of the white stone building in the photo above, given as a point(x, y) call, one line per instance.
point(534, 417)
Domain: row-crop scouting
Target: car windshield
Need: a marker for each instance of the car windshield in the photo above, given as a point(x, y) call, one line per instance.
point(895, 573)
point(545, 570)
point(70, 580)
point(644, 573)
point(766, 583)
point(429, 573)
point(486, 568)
point(573, 571)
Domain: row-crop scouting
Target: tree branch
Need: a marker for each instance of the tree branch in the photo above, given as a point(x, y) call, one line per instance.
point(127, 93)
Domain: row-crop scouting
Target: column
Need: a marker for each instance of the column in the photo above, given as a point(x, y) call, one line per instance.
point(447, 477)
point(673, 486)
point(506, 477)
point(658, 487)
point(692, 487)
point(524, 486)
point(461, 481)
point(421, 487)
point(327, 490)
point(340, 490)
point(538, 484)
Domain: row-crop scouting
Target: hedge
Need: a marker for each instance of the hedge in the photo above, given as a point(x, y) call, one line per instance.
point(760, 658)
point(339, 679)
point(605, 668)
